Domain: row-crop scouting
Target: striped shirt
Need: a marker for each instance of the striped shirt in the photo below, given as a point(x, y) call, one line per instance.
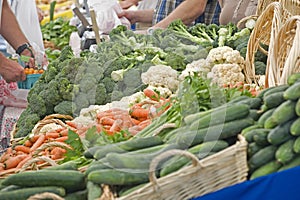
point(210, 15)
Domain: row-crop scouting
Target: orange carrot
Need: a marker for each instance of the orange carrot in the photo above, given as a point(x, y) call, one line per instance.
point(135, 121)
point(61, 139)
point(12, 162)
point(57, 153)
point(34, 138)
point(8, 171)
point(106, 121)
point(21, 163)
point(116, 127)
point(22, 148)
point(144, 124)
point(5, 156)
point(60, 129)
point(52, 135)
point(27, 143)
point(38, 142)
point(1, 167)
point(139, 113)
point(151, 94)
point(71, 124)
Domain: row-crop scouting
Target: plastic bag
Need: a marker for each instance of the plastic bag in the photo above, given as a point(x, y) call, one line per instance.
point(107, 14)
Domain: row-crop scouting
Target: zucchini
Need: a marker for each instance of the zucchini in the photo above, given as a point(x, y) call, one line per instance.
point(297, 109)
point(78, 195)
point(69, 179)
point(249, 128)
point(220, 131)
point(284, 112)
point(94, 190)
point(118, 176)
point(285, 152)
point(294, 163)
point(25, 193)
point(262, 157)
point(261, 137)
point(295, 127)
point(253, 148)
point(280, 134)
point(279, 88)
point(293, 78)
point(249, 136)
point(296, 146)
point(135, 161)
point(129, 145)
point(261, 121)
point(274, 100)
point(266, 169)
point(222, 115)
point(293, 92)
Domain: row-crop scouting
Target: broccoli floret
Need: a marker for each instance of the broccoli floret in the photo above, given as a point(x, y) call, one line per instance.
point(52, 95)
point(70, 70)
point(243, 52)
point(65, 107)
point(101, 93)
point(66, 53)
point(37, 104)
point(67, 90)
point(81, 101)
point(176, 61)
point(260, 68)
point(88, 82)
point(27, 125)
point(109, 84)
point(92, 67)
point(50, 73)
point(200, 30)
point(212, 31)
point(116, 95)
point(200, 54)
point(132, 78)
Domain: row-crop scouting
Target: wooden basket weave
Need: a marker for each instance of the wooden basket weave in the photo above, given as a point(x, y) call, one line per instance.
point(286, 54)
point(293, 6)
point(215, 172)
point(266, 29)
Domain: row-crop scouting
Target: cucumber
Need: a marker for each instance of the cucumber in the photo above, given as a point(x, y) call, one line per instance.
point(293, 78)
point(284, 112)
point(294, 163)
point(279, 88)
point(25, 193)
point(127, 191)
point(174, 133)
point(296, 146)
point(266, 169)
point(261, 137)
point(262, 157)
point(262, 92)
point(249, 136)
point(253, 103)
point(274, 100)
point(70, 165)
point(94, 190)
point(285, 152)
point(280, 134)
point(295, 127)
point(253, 148)
point(293, 92)
point(249, 128)
point(297, 109)
point(130, 145)
point(270, 123)
point(97, 166)
point(135, 161)
point(69, 179)
point(118, 176)
point(222, 115)
point(10, 188)
point(78, 195)
point(261, 121)
point(254, 114)
point(238, 99)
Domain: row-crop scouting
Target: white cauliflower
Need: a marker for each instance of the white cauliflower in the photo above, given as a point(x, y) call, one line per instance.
point(161, 76)
point(200, 67)
point(227, 73)
point(49, 127)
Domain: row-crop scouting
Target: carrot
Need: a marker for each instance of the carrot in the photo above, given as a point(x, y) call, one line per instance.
point(12, 162)
point(1, 167)
point(5, 156)
point(72, 124)
point(64, 132)
point(61, 139)
point(139, 113)
point(38, 143)
point(57, 153)
point(21, 163)
point(53, 135)
point(27, 143)
point(144, 124)
point(106, 121)
point(116, 127)
point(34, 138)
point(22, 148)
point(60, 129)
point(151, 94)
point(8, 171)
point(135, 121)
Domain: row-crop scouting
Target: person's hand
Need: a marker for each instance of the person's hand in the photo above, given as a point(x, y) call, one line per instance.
point(10, 70)
point(129, 14)
point(30, 54)
point(128, 3)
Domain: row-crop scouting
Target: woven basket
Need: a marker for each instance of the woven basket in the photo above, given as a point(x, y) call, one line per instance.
point(215, 172)
point(293, 6)
point(266, 29)
point(286, 54)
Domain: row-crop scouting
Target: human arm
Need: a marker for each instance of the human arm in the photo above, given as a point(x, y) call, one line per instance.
point(144, 16)
point(128, 3)
point(10, 70)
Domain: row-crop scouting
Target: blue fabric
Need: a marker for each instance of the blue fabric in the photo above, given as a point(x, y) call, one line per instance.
point(284, 185)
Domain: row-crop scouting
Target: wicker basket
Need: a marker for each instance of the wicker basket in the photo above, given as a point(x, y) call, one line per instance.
point(266, 29)
point(293, 6)
point(215, 172)
point(286, 54)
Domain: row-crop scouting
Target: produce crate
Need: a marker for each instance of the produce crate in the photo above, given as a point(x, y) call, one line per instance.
point(29, 82)
point(223, 169)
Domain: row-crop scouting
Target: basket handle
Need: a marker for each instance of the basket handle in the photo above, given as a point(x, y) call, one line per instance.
point(164, 155)
point(37, 159)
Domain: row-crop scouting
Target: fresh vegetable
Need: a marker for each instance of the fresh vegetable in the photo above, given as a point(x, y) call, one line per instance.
point(262, 157)
point(280, 134)
point(285, 152)
point(266, 169)
point(284, 112)
point(295, 128)
point(293, 92)
point(293, 78)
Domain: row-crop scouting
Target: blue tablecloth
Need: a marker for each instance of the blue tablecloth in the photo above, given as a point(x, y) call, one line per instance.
point(283, 185)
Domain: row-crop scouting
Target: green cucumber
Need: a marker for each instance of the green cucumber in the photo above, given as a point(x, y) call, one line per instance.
point(296, 146)
point(25, 193)
point(254, 114)
point(293, 78)
point(96, 166)
point(129, 145)
point(266, 169)
point(261, 137)
point(10, 188)
point(261, 121)
point(284, 112)
point(280, 134)
point(69, 179)
point(253, 148)
point(253, 103)
point(70, 165)
point(94, 190)
point(238, 99)
point(274, 100)
point(249, 128)
point(297, 109)
point(293, 92)
point(135, 161)
point(118, 176)
point(127, 191)
point(274, 89)
point(78, 195)
point(294, 163)
point(262, 92)
point(173, 133)
point(285, 152)
point(270, 123)
point(295, 127)
point(249, 136)
point(262, 157)
point(222, 115)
